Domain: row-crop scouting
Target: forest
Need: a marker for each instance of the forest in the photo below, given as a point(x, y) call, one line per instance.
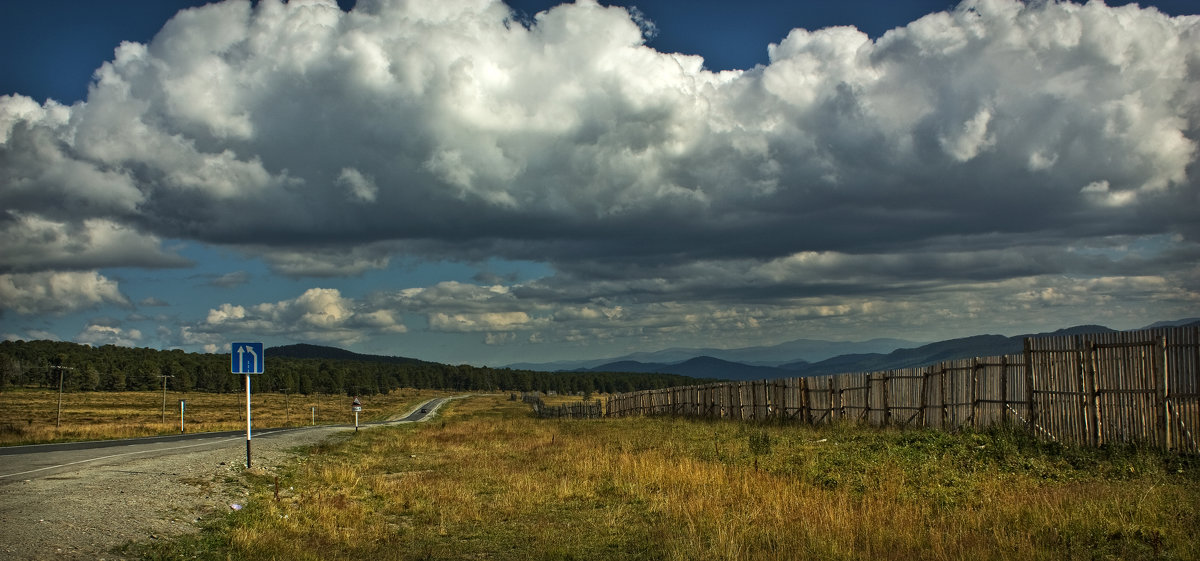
point(115, 368)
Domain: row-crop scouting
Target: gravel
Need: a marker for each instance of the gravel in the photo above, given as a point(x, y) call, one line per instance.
point(85, 513)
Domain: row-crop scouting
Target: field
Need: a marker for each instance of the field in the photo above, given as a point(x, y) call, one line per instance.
point(29, 416)
point(487, 481)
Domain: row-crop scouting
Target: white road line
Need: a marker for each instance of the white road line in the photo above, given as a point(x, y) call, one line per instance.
point(117, 456)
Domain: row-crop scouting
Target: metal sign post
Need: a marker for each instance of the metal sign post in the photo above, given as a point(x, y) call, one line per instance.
point(182, 425)
point(247, 358)
point(247, 421)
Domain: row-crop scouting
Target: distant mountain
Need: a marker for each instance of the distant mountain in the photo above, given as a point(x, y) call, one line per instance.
point(979, 345)
point(698, 367)
point(304, 350)
point(1177, 323)
point(965, 347)
point(769, 355)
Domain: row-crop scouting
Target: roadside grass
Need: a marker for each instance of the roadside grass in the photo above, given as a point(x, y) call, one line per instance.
point(487, 481)
point(29, 416)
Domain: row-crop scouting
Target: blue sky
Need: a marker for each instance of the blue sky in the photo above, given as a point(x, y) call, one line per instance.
point(470, 181)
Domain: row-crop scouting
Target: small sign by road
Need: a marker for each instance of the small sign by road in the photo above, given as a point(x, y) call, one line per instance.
point(246, 358)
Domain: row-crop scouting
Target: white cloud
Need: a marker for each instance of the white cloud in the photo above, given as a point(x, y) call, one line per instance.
point(58, 292)
point(319, 313)
point(97, 335)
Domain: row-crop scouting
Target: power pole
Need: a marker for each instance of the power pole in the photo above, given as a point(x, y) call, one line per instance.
point(164, 407)
point(58, 423)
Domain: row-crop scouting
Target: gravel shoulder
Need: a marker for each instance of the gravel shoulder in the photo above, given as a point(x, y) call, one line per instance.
point(85, 513)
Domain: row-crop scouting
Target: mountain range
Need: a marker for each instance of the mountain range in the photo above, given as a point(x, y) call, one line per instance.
point(763, 362)
point(802, 357)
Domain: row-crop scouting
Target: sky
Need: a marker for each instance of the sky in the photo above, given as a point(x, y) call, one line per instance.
point(469, 181)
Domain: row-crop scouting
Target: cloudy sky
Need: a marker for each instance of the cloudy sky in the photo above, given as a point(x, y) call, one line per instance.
point(470, 181)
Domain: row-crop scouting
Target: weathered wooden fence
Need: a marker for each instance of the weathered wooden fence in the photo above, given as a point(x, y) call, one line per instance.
point(1140, 386)
point(574, 410)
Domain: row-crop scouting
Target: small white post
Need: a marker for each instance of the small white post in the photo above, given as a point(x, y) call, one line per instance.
point(182, 425)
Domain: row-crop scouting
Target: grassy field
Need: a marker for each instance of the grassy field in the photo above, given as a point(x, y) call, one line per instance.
point(486, 481)
point(29, 416)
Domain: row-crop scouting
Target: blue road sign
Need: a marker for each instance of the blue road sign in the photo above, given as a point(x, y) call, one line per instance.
point(246, 358)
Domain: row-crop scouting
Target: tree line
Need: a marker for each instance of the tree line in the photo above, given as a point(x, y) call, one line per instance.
point(115, 368)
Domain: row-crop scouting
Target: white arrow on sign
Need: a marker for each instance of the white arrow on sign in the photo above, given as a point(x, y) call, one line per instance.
point(242, 362)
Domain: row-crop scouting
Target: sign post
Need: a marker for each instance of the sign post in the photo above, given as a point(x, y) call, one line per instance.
point(247, 358)
point(356, 407)
point(182, 407)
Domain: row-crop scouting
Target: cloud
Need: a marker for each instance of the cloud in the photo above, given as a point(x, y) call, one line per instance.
point(966, 149)
point(99, 334)
point(32, 243)
point(317, 314)
point(229, 280)
point(58, 292)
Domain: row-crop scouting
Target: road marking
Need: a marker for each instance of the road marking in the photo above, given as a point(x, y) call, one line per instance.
point(117, 456)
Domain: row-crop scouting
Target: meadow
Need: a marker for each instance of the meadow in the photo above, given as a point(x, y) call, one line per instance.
point(31, 416)
point(487, 481)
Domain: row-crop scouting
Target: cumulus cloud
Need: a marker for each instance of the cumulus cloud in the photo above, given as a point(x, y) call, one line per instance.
point(99, 334)
point(317, 314)
point(58, 292)
point(568, 138)
point(972, 147)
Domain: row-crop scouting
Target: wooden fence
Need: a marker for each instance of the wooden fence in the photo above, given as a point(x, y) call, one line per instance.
point(1140, 386)
point(575, 410)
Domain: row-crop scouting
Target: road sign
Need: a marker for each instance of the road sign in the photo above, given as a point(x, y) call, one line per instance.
point(246, 358)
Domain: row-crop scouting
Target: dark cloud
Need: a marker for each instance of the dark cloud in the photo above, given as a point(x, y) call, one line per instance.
point(977, 149)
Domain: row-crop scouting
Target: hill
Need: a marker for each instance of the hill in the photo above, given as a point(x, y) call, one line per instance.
point(698, 367)
point(304, 350)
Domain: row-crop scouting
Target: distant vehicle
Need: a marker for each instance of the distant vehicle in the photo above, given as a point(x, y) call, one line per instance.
point(424, 410)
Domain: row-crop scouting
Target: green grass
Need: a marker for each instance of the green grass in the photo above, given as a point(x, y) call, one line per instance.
point(489, 482)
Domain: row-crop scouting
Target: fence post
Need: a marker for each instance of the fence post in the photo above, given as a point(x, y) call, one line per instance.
point(1164, 418)
point(1097, 435)
point(1029, 380)
point(887, 399)
point(1004, 388)
point(925, 374)
point(945, 411)
point(975, 392)
point(866, 414)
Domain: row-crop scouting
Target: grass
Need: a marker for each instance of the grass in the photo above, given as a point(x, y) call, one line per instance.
point(486, 481)
point(29, 416)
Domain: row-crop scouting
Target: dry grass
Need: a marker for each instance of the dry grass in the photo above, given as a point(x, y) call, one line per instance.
point(488, 482)
point(31, 416)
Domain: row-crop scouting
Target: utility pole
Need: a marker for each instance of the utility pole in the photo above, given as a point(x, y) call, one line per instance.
point(164, 407)
point(58, 423)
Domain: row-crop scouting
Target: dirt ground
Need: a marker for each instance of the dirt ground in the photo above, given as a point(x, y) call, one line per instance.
point(84, 514)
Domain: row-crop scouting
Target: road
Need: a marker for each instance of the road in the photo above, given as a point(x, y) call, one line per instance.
point(78, 501)
point(42, 460)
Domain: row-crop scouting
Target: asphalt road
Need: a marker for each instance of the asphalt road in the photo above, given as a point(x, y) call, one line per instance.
point(18, 463)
